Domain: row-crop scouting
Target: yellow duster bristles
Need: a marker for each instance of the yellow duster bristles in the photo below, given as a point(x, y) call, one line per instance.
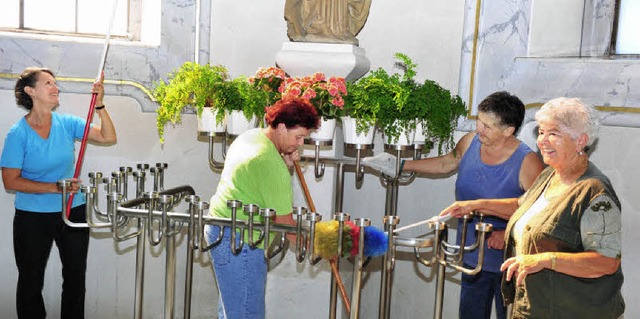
point(326, 239)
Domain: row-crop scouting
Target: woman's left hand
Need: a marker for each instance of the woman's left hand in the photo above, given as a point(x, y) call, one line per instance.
point(98, 88)
point(496, 240)
point(523, 265)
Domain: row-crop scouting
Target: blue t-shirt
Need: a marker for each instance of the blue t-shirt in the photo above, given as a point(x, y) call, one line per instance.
point(479, 180)
point(43, 160)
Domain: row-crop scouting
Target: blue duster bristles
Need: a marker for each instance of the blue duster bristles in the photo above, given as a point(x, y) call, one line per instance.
point(375, 242)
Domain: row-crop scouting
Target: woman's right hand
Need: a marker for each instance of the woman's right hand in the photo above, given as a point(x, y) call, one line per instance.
point(523, 265)
point(73, 188)
point(458, 209)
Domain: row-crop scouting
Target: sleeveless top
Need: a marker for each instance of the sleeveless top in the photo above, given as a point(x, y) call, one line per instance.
point(479, 180)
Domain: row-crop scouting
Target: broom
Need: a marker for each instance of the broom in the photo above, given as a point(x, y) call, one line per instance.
point(324, 247)
point(92, 104)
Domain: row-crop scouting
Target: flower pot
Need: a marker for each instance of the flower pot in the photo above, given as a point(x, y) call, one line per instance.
point(207, 121)
point(419, 138)
point(350, 135)
point(405, 138)
point(237, 123)
point(325, 132)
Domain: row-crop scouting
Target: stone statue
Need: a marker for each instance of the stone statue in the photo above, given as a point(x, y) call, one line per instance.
point(330, 21)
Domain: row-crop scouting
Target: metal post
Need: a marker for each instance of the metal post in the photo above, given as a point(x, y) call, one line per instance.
point(193, 201)
point(170, 277)
point(388, 263)
point(441, 234)
point(141, 244)
point(358, 264)
point(333, 301)
point(337, 208)
point(337, 205)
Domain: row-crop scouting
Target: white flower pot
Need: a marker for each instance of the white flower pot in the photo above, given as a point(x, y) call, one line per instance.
point(419, 137)
point(405, 138)
point(350, 135)
point(207, 121)
point(237, 123)
point(325, 132)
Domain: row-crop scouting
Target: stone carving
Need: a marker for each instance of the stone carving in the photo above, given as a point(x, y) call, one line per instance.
point(330, 21)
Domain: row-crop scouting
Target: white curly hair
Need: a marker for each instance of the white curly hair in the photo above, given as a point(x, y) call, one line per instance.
point(573, 116)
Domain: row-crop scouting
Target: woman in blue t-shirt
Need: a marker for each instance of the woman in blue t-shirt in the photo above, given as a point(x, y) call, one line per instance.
point(39, 150)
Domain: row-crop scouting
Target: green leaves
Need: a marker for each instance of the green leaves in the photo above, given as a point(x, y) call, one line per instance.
point(395, 103)
point(192, 85)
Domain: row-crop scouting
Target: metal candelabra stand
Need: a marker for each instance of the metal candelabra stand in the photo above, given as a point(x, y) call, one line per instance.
point(152, 215)
point(443, 254)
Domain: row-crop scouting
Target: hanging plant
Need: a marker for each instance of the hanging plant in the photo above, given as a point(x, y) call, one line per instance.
point(190, 86)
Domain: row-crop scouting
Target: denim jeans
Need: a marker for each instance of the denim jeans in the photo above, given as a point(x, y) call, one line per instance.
point(477, 292)
point(33, 236)
point(241, 278)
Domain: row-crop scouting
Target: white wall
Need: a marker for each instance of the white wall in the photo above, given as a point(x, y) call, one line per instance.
point(246, 35)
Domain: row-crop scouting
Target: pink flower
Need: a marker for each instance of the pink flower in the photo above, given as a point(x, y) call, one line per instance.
point(338, 101)
point(325, 94)
point(309, 94)
point(294, 91)
point(319, 76)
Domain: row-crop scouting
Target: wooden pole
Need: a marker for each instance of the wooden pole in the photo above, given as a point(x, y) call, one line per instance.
point(332, 261)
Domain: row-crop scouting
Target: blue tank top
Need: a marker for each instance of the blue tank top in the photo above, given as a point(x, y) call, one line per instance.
point(478, 180)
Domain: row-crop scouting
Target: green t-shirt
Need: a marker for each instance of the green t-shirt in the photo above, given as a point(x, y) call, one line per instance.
point(254, 173)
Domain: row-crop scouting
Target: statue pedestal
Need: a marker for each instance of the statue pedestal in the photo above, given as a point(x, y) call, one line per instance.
point(305, 58)
point(300, 59)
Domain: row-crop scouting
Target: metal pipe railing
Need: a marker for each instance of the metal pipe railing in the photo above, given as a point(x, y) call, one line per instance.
point(155, 211)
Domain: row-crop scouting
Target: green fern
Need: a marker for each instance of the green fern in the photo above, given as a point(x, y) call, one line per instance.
point(190, 86)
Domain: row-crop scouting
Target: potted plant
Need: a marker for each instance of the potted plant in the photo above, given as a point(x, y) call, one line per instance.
point(190, 86)
point(437, 115)
point(243, 102)
point(325, 94)
point(397, 118)
point(269, 81)
point(426, 108)
point(366, 98)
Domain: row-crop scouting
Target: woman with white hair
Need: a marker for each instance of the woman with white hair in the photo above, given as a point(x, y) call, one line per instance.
point(563, 239)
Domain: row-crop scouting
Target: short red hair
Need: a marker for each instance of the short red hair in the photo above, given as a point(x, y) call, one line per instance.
point(292, 112)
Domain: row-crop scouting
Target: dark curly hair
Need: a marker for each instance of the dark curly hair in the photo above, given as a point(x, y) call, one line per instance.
point(292, 112)
point(29, 77)
point(508, 108)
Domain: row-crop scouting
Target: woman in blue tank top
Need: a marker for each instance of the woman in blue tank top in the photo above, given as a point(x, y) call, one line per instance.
point(491, 163)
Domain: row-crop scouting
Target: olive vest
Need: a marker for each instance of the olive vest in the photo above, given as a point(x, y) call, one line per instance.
point(550, 294)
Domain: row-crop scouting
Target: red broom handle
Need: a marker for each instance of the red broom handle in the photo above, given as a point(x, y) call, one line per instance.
point(87, 125)
point(83, 147)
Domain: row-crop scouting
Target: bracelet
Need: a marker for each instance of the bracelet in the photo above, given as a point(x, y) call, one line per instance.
point(401, 165)
point(99, 107)
point(553, 261)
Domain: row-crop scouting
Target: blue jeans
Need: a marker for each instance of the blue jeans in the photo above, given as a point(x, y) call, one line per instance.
point(477, 293)
point(241, 278)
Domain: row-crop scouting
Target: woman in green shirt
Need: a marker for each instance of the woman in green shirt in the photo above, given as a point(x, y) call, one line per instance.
point(256, 171)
